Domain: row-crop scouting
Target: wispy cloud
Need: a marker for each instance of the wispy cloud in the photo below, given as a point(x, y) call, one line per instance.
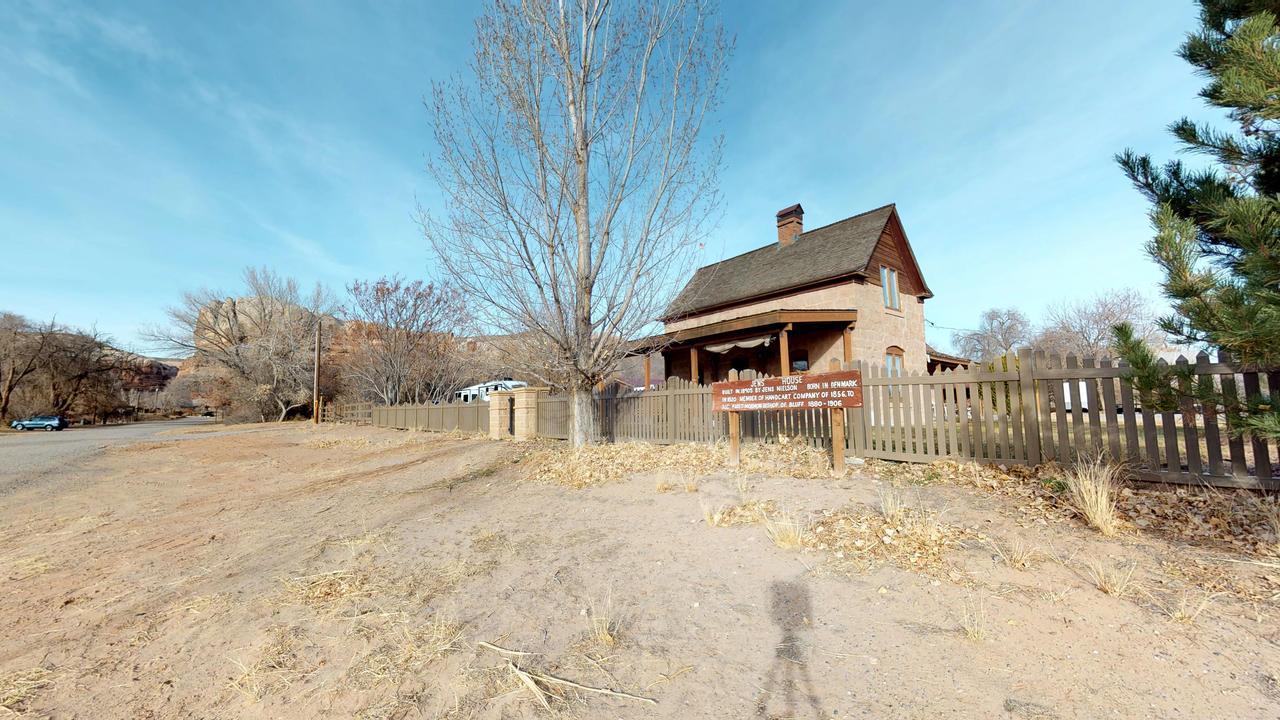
point(321, 259)
point(54, 70)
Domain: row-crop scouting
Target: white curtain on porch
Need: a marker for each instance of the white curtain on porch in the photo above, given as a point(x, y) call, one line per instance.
point(747, 343)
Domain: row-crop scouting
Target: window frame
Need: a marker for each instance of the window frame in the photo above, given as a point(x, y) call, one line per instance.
point(895, 361)
point(889, 288)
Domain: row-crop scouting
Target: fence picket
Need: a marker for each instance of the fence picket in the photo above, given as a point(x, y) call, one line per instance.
point(1190, 433)
point(1077, 418)
point(1261, 458)
point(1028, 419)
point(1235, 444)
point(1000, 391)
point(1095, 413)
point(1169, 426)
point(1133, 452)
point(1108, 409)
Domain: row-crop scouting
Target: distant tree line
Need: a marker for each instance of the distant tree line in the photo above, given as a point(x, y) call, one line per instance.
point(49, 368)
point(1082, 328)
point(251, 353)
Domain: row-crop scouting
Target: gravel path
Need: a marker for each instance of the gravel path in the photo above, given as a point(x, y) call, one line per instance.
point(28, 457)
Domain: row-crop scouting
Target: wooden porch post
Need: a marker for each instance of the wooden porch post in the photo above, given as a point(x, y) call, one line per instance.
point(848, 344)
point(693, 365)
point(648, 370)
point(784, 351)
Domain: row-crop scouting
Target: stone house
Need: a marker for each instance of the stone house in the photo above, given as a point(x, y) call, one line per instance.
point(851, 290)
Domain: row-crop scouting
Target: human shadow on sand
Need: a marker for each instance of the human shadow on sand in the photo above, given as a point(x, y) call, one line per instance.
point(788, 680)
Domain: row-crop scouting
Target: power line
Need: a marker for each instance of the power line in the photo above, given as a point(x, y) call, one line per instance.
point(944, 327)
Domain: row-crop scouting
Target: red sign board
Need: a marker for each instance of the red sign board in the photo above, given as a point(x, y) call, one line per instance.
point(842, 389)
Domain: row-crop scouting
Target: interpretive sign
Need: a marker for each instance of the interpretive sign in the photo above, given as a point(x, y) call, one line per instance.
point(840, 389)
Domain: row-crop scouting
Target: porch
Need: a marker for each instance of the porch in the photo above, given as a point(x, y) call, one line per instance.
point(778, 342)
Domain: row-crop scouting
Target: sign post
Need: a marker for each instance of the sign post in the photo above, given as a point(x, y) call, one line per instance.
point(735, 439)
point(833, 391)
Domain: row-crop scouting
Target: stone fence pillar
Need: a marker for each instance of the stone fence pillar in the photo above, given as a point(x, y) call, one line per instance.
point(527, 411)
point(499, 407)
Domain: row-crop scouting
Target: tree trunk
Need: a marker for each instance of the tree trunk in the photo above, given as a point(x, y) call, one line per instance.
point(583, 416)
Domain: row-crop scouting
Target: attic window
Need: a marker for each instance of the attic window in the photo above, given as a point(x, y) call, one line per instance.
point(889, 287)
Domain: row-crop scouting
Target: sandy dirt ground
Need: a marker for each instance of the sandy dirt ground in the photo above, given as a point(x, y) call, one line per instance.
point(300, 572)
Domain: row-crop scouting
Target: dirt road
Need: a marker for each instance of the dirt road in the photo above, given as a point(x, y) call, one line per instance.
point(27, 457)
point(294, 572)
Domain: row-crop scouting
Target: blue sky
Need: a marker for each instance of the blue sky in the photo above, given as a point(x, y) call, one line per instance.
point(155, 147)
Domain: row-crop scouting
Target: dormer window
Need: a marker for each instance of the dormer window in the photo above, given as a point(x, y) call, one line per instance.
point(889, 286)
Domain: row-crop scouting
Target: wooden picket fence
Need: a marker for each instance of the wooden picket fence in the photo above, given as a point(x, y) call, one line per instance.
point(1027, 410)
point(355, 413)
point(1048, 408)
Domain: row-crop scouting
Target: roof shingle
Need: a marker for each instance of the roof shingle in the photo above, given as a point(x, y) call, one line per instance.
point(841, 248)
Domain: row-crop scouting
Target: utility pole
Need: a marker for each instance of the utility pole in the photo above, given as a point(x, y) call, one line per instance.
point(315, 377)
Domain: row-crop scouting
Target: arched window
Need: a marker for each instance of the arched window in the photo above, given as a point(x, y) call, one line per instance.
point(893, 360)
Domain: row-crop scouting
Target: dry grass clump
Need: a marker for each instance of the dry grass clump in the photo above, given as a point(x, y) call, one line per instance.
point(407, 650)
point(350, 443)
point(1188, 607)
point(355, 542)
point(893, 503)
point(396, 708)
point(328, 591)
point(278, 666)
point(28, 567)
point(604, 626)
point(785, 530)
point(748, 512)
point(18, 688)
point(198, 605)
point(1114, 580)
point(914, 540)
point(491, 541)
point(1091, 486)
point(1015, 552)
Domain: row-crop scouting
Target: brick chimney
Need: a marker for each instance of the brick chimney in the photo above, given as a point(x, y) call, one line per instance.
point(790, 224)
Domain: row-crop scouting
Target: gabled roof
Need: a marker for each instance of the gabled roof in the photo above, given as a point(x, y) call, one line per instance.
point(841, 249)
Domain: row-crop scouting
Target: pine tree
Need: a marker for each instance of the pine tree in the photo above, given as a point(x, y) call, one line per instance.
point(1217, 230)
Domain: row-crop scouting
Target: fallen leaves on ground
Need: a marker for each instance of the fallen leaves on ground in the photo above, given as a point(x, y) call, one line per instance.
point(1238, 520)
point(592, 465)
point(863, 539)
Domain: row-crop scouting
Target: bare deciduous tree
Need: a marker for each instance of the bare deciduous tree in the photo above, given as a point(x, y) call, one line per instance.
point(262, 338)
point(999, 332)
point(578, 187)
point(402, 340)
point(1084, 327)
point(23, 347)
